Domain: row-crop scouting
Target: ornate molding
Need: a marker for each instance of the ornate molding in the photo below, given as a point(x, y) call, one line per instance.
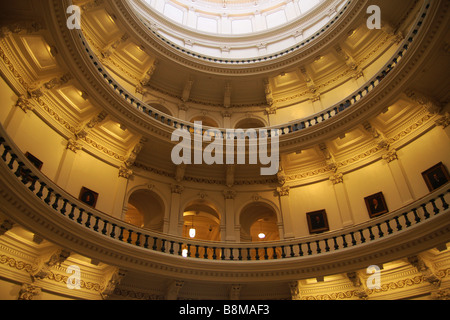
point(28, 292)
point(74, 146)
point(283, 191)
point(390, 156)
point(176, 188)
point(337, 178)
point(229, 194)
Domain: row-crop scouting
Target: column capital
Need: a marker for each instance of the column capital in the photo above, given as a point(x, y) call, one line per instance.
point(24, 104)
point(443, 121)
point(337, 178)
point(28, 292)
point(283, 191)
point(229, 194)
point(390, 156)
point(125, 172)
point(74, 146)
point(176, 188)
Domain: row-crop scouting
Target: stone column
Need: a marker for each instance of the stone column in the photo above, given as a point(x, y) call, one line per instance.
point(174, 223)
point(342, 199)
point(66, 164)
point(229, 196)
point(15, 118)
point(399, 176)
point(121, 189)
point(285, 206)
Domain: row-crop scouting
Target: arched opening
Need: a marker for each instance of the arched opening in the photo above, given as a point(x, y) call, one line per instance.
point(249, 123)
point(161, 108)
point(204, 218)
point(259, 223)
point(206, 121)
point(201, 221)
point(145, 210)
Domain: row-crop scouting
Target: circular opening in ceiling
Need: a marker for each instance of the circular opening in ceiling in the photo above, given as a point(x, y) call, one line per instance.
point(243, 30)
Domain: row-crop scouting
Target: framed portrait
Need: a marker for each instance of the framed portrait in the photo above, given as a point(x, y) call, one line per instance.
point(376, 204)
point(436, 176)
point(88, 196)
point(35, 161)
point(317, 221)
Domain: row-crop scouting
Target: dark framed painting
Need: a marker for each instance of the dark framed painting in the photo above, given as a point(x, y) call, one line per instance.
point(34, 160)
point(436, 176)
point(88, 197)
point(317, 221)
point(376, 204)
point(26, 174)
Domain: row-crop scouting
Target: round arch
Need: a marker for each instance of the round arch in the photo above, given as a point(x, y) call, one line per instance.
point(207, 121)
point(146, 209)
point(158, 106)
point(258, 221)
point(250, 123)
point(203, 216)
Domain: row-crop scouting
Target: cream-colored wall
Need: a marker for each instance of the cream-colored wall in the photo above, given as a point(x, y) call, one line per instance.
point(313, 197)
point(367, 181)
point(30, 135)
point(9, 99)
point(96, 175)
point(428, 150)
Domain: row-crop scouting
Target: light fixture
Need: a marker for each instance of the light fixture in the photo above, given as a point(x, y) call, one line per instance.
point(192, 230)
point(261, 234)
point(184, 253)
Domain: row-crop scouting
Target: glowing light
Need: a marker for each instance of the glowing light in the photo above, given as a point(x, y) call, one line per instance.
point(184, 253)
point(192, 232)
point(261, 235)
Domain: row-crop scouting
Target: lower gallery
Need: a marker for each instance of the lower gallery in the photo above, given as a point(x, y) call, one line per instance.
point(94, 207)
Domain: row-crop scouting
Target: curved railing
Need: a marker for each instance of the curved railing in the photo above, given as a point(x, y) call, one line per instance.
point(284, 129)
point(74, 211)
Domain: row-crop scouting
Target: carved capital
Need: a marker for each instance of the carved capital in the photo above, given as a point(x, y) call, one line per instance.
point(24, 104)
point(74, 146)
point(28, 292)
point(176, 188)
point(390, 156)
point(124, 172)
point(443, 121)
point(295, 290)
point(283, 191)
point(229, 194)
point(112, 282)
point(44, 264)
point(337, 178)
